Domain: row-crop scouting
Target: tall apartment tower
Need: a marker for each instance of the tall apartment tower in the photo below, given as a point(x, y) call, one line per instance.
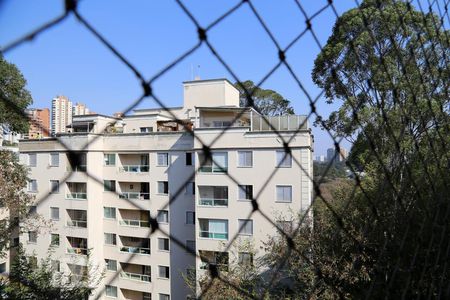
point(104, 196)
point(39, 124)
point(80, 109)
point(61, 114)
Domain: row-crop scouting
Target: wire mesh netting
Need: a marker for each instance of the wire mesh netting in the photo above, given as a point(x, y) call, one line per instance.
point(384, 232)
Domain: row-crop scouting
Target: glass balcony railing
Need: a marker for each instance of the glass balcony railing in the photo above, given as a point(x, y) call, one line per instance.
point(138, 250)
point(213, 202)
point(76, 196)
point(134, 168)
point(75, 250)
point(77, 223)
point(79, 168)
point(214, 235)
point(135, 276)
point(213, 169)
point(134, 223)
point(134, 196)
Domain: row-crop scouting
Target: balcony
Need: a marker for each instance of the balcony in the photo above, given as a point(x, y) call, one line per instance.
point(77, 245)
point(217, 163)
point(213, 229)
point(76, 162)
point(76, 191)
point(134, 190)
point(136, 272)
point(213, 196)
point(134, 163)
point(134, 168)
point(134, 245)
point(134, 218)
point(218, 259)
point(76, 218)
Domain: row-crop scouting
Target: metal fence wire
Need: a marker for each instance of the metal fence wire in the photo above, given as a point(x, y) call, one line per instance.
point(411, 259)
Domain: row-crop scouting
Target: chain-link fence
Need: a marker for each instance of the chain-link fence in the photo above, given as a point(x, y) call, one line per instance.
point(383, 233)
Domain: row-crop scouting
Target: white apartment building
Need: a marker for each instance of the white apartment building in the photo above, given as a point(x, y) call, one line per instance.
point(61, 114)
point(122, 173)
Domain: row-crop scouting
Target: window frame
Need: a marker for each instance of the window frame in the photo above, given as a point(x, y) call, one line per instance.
point(239, 152)
point(282, 163)
point(245, 191)
point(190, 213)
point(246, 222)
point(30, 185)
point(51, 187)
point(114, 239)
point(106, 159)
point(34, 235)
point(52, 241)
point(165, 187)
point(111, 288)
point(112, 185)
point(29, 160)
point(51, 155)
point(159, 212)
point(167, 272)
point(107, 264)
point(283, 186)
point(111, 208)
point(166, 154)
point(164, 241)
point(53, 208)
point(189, 159)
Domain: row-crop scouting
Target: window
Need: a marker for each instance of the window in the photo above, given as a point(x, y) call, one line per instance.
point(164, 297)
point(110, 159)
point(32, 159)
point(110, 239)
point(163, 216)
point(284, 159)
point(190, 188)
point(32, 236)
point(245, 259)
point(245, 192)
point(32, 185)
point(163, 244)
point(109, 212)
point(245, 227)
point(217, 163)
point(213, 229)
point(190, 246)
point(111, 264)
point(54, 213)
point(163, 159)
point(284, 193)
point(55, 265)
point(146, 296)
point(54, 239)
point(111, 291)
point(33, 210)
point(245, 158)
point(190, 217)
point(221, 123)
point(54, 159)
point(285, 226)
point(188, 158)
point(54, 186)
point(145, 129)
point(163, 187)
point(109, 185)
point(163, 272)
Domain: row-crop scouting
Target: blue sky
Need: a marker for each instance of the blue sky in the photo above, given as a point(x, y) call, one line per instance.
point(68, 60)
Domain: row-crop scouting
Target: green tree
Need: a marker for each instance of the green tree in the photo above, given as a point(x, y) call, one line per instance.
point(32, 281)
point(267, 102)
point(14, 97)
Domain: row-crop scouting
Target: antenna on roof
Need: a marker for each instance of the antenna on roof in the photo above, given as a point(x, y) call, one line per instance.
point(197, 77)
point(192, 72)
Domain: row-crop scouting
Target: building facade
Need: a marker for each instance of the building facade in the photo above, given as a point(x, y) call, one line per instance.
point(80, 109)
point(61, 114)
point(141, 197)
point(39, 123)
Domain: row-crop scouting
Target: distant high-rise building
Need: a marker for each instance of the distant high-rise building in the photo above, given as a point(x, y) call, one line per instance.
point(332, 155)
point(80, 109)
point(39, 123)
point(61, 114)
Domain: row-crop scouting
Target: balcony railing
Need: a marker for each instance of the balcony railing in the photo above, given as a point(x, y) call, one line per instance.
point(76, 196)
point(138, 250)
point(80, 168)
point(214, 235)
point(134, 196)
point(213, 169)
point(135, 276)
point(205, 266)
point(77, 223)
point(75, 250)
point(134, 168)
point(213, 202)
point(134, 223)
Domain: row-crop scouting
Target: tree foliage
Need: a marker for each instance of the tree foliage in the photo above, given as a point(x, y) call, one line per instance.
point(31, 281)
point(14, 97)
point(267, 102)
